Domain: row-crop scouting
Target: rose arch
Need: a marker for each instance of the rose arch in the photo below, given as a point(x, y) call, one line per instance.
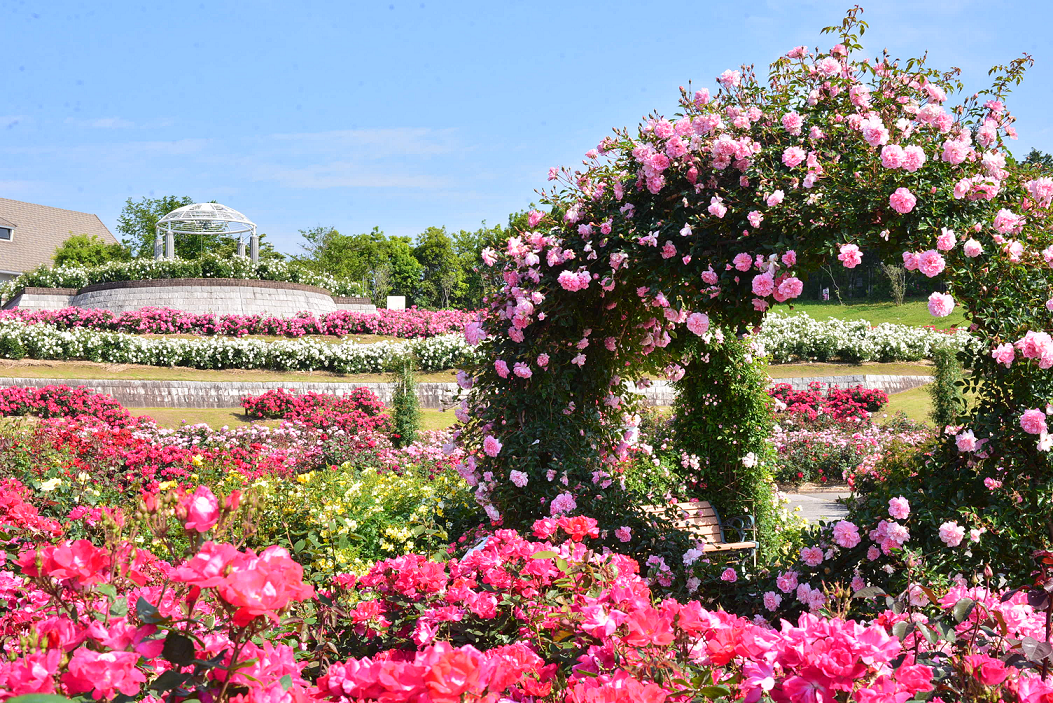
point(662, 253)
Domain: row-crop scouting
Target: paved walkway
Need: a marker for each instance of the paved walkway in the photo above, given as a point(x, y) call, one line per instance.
point(819, 506)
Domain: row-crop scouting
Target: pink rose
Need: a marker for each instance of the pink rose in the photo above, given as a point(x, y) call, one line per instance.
point(899, 508)
point(624, 534)
point(850, 256)
point(946, 240)
point(846, 534)
point(743, 262)
point(910, 261)
point(812, 556)
point(698, 323)
point(790, 258)
point(931, 263)
point(793, 156)
point(952, 534)
point(790, 288)
point(941, 304)
point(966, 441)
point(792, 123)
point(729, 575)
point(502, 368)
point(534, 218)
point(522, 370)
point(763, 285)
point(913, 158)
point(202, 510)
point(542, 360)
point(972, 248)
point(1033, 421)
point(1004, 354)
point(775, 198)
point(491, 446)
point(902, 201)
point(892, 156)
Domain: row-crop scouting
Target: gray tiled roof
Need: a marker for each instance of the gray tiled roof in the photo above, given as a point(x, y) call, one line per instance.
point(39, 230)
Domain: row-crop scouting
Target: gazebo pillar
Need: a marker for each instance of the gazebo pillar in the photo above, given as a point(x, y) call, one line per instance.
point(241, 247)
point(254, 247)
point(158, 246)
point(169, 245)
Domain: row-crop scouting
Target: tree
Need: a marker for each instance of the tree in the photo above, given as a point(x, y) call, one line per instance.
point(138, 220)
point(1040, 160)
point(89, 250)
point(383, 264)
point(468, 247)
point(442, 275)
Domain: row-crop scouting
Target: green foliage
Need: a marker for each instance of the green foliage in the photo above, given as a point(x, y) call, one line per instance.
point(722, 415)
point(138, 222)
point(342, 520)
point(1039, 160)
point(211, 265)
point(405, 407)
point(384, 265)
point(948, 401)
point(442, 273)
point(89, 250)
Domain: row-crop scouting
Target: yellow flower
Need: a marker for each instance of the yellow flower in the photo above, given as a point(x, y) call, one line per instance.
point(50, 484)
point(166, 485)
point(197, 460)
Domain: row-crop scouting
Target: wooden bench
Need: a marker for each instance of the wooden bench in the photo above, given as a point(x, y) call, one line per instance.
point(701, 519)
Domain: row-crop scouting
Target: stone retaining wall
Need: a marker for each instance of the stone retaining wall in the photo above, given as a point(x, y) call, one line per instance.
point(220, 296)
point(433, 396)
point(226, 394)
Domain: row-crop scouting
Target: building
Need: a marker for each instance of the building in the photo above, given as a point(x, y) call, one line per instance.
point(30, 234)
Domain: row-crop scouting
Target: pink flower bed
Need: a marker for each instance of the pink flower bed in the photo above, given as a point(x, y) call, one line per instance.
point(412, 323)
point(513, 619)
point(63, 401)
point(357, 411)
point(838, 403)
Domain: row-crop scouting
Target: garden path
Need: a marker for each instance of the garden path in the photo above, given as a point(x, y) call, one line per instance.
point(819, 506)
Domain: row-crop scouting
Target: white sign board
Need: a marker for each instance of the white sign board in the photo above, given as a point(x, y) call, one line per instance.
point(396, 302)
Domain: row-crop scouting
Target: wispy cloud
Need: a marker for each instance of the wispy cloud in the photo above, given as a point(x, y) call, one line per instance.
point(373, 143)
point(343, 175)
point(100, 123)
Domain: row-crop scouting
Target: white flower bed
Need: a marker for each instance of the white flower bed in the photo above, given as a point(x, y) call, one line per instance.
point(785, 337)
point(42, 341)
point(798, 337)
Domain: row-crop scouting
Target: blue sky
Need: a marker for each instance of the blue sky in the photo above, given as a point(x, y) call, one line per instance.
point(404, 115)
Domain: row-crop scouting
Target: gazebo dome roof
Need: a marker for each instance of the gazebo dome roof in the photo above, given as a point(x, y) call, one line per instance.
point(206, 217)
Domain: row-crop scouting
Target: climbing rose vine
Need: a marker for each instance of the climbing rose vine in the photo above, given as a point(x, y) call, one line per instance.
point(675, 237)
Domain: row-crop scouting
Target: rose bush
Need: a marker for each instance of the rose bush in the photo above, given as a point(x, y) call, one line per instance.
point(20, 340)
point(412, 323)
point(677, 237)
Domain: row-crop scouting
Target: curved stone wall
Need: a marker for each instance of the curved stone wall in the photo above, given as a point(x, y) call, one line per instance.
point(220, 296)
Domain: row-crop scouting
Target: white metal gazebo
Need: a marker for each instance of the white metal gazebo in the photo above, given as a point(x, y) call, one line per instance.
point(205, 218)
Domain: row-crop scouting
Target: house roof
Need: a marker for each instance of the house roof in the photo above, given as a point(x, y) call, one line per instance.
point(39, 230)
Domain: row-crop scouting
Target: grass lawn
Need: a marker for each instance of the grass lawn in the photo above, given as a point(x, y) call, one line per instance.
point(915, 403)
point(920, 368)
point(234, 417)
point(913, 312)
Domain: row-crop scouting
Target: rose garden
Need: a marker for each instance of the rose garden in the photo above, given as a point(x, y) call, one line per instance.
point(555, 544)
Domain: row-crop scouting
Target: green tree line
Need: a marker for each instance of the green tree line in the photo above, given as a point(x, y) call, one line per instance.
point(437, 269)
